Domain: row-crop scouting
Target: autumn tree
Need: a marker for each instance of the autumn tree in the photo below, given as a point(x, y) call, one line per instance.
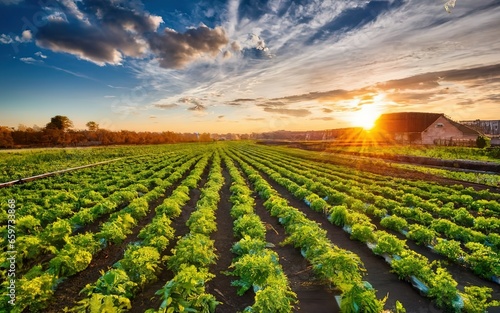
point(92, 126)
point(6, 140)
point(55, 130)
point(59, 122)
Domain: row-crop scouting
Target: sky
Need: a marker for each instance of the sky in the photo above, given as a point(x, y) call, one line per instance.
point(246, 66)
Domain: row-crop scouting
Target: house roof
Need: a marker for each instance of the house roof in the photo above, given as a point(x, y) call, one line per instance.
point(407, 122)
point(415, 122)
point(464, 129)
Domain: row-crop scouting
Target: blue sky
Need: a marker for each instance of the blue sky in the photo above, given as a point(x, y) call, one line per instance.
point(246, 65)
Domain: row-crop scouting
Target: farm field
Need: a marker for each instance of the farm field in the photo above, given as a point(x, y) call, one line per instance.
point(241, 227)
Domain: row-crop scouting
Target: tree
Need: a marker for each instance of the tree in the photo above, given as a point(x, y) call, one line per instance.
point(6, 140)
point(92, 126)
point(59, 122)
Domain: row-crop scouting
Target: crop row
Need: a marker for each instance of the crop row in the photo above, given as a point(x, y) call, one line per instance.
point(255, 265)
point(480, 251)
point(142, 260)
point(194, 253)
point(436, 283)
point(339, 267)
point(37, 285)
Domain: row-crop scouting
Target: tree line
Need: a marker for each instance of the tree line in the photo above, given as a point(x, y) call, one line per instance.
point(59, 132)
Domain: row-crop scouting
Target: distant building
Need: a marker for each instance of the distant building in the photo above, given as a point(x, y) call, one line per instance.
point(424, 128)
point(490, 127)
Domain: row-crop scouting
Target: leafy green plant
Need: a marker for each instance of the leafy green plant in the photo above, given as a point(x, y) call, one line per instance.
point(387, 243)
point(254, 269)
point(476, 299)
point(99, 303)
point(275, 297)
point(449, 248)
point(186, 292)
point(394, 222)
point(338, 215)
point(421, 234)
point(360, 297)
point(363, 232)
point(193, 249)
point(248, 245)
point(113, 282)
point(250, 225)
point(443, 288)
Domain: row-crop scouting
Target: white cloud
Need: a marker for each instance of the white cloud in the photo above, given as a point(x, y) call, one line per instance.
point(40, 55)
point(30, 60)
point(6, 39)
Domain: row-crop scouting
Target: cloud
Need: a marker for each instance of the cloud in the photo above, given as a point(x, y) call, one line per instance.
point(26, 36)
point(291, 112)
point(40, 55)
point(6, 39)
point(152, 116)
point(98, 31)
point(197, 107)
point(327, 110)
point(165, 106)
point(176, 50)
point(30, 60)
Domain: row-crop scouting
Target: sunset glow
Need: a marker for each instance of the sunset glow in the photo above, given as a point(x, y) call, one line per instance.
point(233, 66)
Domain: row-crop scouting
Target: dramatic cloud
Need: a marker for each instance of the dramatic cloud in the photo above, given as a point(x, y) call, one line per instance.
point(105, 32)
point(113, 32)
point(175, 50)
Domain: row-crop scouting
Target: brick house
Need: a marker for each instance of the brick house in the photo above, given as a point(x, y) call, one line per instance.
point(424, 128)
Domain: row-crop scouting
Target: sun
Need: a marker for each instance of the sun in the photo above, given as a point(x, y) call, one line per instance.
point(368, 114)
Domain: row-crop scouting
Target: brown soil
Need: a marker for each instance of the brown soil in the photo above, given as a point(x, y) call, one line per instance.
point(220, 286)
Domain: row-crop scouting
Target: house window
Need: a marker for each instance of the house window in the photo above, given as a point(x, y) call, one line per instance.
point(439, 125)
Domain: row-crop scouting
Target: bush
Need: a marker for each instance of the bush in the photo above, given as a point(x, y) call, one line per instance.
point(483, 142)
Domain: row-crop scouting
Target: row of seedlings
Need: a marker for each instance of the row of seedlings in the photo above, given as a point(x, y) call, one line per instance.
point(37, 286)
point(194, 253)
point(142, 260)
point(342, 268)
point(255, 265)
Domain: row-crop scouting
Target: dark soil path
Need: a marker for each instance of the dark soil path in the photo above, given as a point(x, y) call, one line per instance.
point(313, 295)
point(146, 299)
point(220, 286)
point(378, 271)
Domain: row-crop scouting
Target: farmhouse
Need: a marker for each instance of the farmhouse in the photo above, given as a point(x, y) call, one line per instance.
point(424, 128)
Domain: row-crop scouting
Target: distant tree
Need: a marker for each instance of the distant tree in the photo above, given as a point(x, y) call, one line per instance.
point(92, 126)
point(59, 122)
point(6, 140)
